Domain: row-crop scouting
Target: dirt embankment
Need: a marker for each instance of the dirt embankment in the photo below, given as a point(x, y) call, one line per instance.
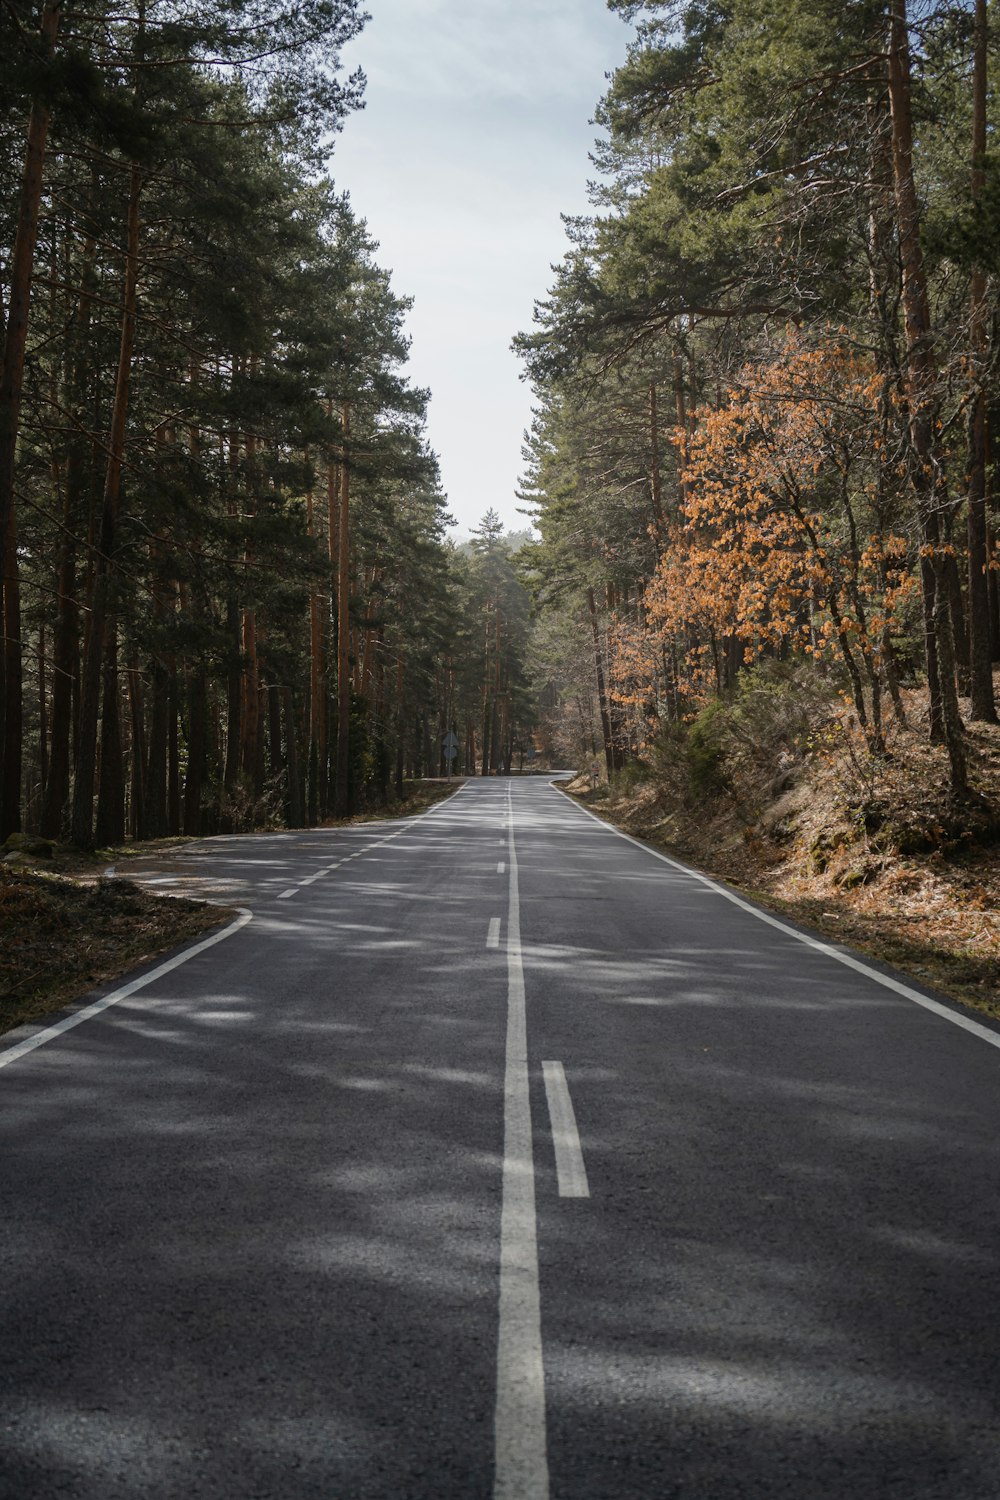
point(872, 852)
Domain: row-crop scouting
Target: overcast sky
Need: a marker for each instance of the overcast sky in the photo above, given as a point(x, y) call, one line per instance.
point(473, 141)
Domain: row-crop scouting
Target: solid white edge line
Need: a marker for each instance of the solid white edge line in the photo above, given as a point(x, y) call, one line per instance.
point(571, 1173)
point(50, 1032)
point(521, 1463)
point(493, 933)
point(886, 980)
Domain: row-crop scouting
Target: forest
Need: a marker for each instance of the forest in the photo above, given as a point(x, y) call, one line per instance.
point(228, 596)
point(761, 467)
point(766, 379)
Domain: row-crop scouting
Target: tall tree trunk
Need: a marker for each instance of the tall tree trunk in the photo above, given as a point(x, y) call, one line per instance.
point(921, 379)
point(680, 412)
point(79, 489)
point(197, 749)
point(327, 747)
point(275, 757)
point(64, 665)
point(83, 790)
point(295, 797)
point(155, 772)
point(43, 707)
point(139, 801)
point(486, 737)
point(342, 788)
point(400, 722)
point(655, 475)
point(249, 713)
point(13, 696)
point(21, 272)
point(316, 754)
point(110, 822)
point(234, 695)
point(602, 696)
point(983, 704)
point(994, 582)
point(173, 752)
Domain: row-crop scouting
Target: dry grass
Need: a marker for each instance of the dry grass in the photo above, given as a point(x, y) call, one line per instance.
point(417, 797)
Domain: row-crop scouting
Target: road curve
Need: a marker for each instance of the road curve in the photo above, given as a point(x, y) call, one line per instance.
point(496, 1157)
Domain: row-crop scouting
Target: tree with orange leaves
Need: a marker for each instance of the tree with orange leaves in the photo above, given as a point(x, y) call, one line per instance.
point(784, 543)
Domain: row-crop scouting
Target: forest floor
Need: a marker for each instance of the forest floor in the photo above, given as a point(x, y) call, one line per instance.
point(66, 928)
point(871, 853)
point(64, 934)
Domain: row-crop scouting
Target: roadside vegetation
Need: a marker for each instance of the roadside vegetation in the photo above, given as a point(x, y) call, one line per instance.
point(228, 597)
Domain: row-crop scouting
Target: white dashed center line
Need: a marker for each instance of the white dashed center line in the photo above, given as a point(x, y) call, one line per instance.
point(570, 1170)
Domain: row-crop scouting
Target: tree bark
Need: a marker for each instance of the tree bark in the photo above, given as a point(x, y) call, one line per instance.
point(655, 476)
point(295, 799)
point(43, 707)
point(156, 758)
point(139, 800)
point(983, 703)
point(83, 790)
point(196, 750)
point(21, 272)
point(317, 695)
point(13, 696)
point(110, 822)
point(64, 665)
point(250, 687)
point(602, 697)
point(173, 752)
point(921, 379)
point(342, 788)
point(400, 722)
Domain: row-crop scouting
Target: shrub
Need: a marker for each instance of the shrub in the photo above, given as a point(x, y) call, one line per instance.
point(746, 747)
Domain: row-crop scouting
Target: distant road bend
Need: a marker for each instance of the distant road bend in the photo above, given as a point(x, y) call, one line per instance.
point(498, 1157)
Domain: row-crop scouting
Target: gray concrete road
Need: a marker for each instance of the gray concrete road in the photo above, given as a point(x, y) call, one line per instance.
point(496, 1156)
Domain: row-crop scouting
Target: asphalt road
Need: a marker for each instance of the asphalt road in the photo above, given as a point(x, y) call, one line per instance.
point(496, 1157)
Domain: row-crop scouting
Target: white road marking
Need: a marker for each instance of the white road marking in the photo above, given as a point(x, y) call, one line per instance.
point(885, 980)
point(41, 1037)
point(571, 1173)
point(501, 867)
point(290, 892)
point(493, 936)
point(521, 1462)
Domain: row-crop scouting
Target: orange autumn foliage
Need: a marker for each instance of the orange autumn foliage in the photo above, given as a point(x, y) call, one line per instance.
point(787, 534)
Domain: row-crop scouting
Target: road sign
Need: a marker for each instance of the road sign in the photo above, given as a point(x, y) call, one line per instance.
point(450, 743)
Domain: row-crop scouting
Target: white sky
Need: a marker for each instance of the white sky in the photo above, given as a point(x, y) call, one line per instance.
point(474, 139)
